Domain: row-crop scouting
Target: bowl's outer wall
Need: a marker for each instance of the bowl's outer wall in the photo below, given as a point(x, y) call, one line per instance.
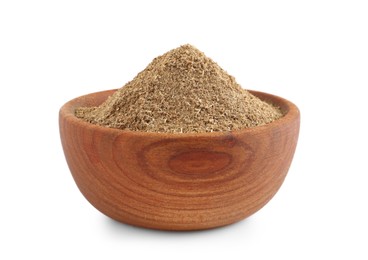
point(178, 181)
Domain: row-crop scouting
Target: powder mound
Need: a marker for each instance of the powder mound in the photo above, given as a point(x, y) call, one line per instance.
point(181, 91)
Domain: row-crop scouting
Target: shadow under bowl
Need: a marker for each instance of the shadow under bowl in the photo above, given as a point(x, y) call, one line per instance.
point(186, 181)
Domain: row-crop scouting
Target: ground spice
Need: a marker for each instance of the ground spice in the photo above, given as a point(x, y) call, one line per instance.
point(181, 91)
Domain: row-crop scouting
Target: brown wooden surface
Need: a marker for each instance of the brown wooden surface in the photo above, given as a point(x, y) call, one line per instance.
point(178, 181)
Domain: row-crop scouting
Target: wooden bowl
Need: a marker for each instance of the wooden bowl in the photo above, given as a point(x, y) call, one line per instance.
point(178, 181)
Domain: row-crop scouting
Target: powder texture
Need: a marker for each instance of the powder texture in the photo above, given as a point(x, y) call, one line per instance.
point(181, 91)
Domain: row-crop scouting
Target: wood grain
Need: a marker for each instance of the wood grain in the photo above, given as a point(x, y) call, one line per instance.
point(178, 181)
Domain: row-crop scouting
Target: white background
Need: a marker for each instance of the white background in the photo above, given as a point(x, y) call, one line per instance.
point(314, 53)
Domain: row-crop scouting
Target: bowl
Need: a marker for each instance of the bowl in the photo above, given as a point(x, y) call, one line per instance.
point(186, 181)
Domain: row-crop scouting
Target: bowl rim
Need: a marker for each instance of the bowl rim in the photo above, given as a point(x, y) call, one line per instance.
point(290, 110)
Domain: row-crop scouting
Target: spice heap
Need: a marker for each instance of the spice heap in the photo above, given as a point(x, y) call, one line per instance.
point(181, 91)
